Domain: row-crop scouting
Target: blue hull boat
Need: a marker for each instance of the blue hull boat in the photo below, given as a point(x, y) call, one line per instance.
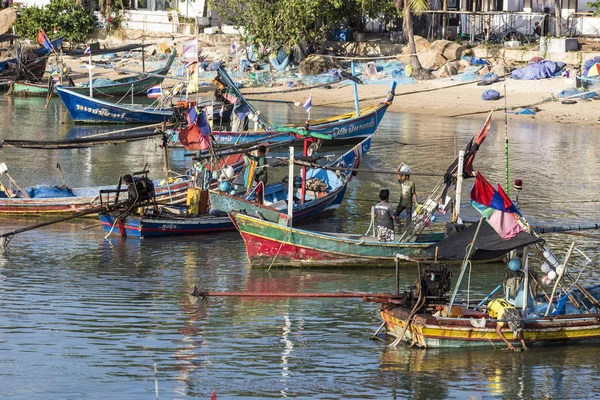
point(147, 227)
point(87, 109)
point(340, 128)
point(83, 108)
point(315, 204)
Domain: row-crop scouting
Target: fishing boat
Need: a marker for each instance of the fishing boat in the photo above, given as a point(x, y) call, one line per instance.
point(137, 84)
point(86, 109)
point(342, 128)
point(23, 68)
point(273, 243)
point(169, 223)
point(45, 200)
point(312, 203)
point(352, 126)
point(555, 308)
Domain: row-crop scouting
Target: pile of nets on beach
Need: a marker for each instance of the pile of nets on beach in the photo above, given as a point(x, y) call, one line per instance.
point(539, 69)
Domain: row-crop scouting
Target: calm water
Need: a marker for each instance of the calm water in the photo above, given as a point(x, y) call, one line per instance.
point(85, 317)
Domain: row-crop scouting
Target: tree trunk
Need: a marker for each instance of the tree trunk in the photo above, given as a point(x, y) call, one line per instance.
point(557, 16)
point(409, 33)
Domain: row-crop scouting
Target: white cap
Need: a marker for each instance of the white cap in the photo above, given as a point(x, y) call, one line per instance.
point(404, 169)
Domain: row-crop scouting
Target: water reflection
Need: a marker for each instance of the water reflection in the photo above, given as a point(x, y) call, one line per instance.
point(446, 373)
point(93, 315)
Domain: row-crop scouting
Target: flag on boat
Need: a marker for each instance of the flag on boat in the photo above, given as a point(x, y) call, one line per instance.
point(308, 104)
point(190, 49)
point(497, 208)
point(196, 136)
point(241, 110)
point(230, 96)
point(88, 50)
point(154, 92)
point(472, 148)
point(202, 122)
point(42, 39)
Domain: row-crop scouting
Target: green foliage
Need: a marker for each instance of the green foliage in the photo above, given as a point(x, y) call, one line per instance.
point(275, 24)
point(596, 5)
point(71, 21)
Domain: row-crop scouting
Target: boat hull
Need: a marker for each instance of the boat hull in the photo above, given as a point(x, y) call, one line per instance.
point(84, 199)
point(428, 331)
point(87, 109)
point(350, 129)
point(271, 244)
point(139, 84)
point(150, 227)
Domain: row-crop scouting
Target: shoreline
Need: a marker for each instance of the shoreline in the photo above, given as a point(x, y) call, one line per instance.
point(447, 98)
point(442, 97)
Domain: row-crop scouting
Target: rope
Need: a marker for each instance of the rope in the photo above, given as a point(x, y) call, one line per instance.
point(279, 249)
point(297, 89)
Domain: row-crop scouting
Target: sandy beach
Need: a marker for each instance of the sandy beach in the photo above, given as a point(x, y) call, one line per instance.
point(444, 97)
point(440, 97)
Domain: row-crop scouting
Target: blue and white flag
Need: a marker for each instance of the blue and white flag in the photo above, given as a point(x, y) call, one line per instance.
point(308, 104)
point(88, 50)
point(154, 92)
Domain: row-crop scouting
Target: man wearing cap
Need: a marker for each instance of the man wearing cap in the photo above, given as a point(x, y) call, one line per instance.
point(408, 194)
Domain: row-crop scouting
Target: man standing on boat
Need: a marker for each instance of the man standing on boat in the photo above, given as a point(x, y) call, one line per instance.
point(408, 194)
point(384, 212)
point(260, 174)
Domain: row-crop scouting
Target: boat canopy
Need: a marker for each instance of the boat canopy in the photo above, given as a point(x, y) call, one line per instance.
point(488, 244)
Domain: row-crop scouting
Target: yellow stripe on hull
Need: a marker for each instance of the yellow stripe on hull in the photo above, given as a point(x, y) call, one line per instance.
point(436, 336)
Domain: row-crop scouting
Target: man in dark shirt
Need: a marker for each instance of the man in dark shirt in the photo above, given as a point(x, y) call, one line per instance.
point(260, 174)
point(384, 217)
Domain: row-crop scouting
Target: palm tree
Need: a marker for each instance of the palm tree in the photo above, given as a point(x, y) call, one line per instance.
point(410, 6)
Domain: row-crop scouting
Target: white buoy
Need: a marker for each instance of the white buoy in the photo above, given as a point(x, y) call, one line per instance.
point(545, 267)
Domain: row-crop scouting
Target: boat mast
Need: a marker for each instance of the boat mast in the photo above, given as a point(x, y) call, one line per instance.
point(459, 181)
point(290, 186)
point(355, 85)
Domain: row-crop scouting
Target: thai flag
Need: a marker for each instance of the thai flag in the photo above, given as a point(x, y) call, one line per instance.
point(308, 104)
point(88, 50)
point(42, 39)
point(154, 92)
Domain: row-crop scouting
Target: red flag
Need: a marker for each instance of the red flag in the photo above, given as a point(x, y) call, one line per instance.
point(468, 166)
point(482, 191)
point(192, 139)
point(42, 39)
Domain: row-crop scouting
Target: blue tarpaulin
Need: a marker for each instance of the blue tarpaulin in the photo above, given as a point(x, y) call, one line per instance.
point(539, 70)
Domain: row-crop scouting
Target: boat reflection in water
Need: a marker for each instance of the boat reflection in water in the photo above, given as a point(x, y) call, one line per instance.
point(449, 373)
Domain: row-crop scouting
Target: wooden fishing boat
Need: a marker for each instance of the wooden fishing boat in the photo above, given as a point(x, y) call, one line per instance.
point(83, 108)
point(87, 109)
point(275, 207)
point(164, 225)
point(269, 243)
point(421, 317)
point(341, 128)
point(555, 308)
point(138, 84)
point(60, 200)
point(428, 331)
point(272, 244)
point(314, 204)
point(28, 69)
